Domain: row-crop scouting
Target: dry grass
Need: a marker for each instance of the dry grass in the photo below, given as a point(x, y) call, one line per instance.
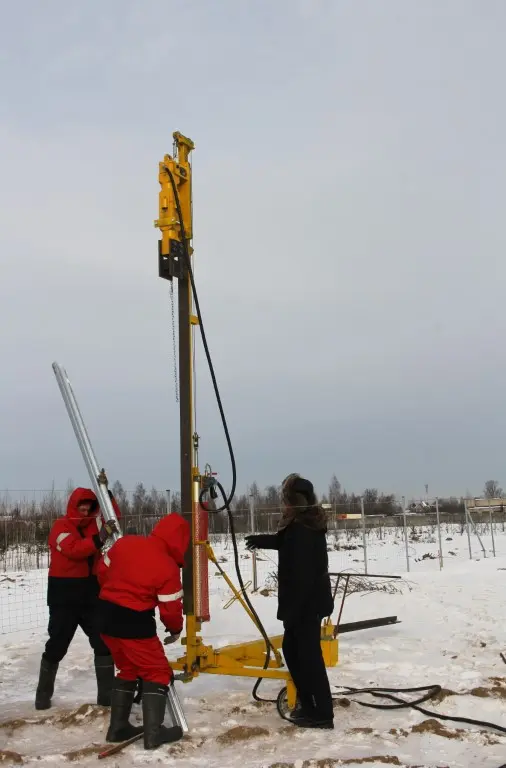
point(438, 729)
point(186, 745)
point(10, 757)
point(241, 733)
point(84, 714)
point(443, 694)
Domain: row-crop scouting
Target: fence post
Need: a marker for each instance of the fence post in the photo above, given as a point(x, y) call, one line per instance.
point(168, 501)
point(405, 531)
point(364, 532)
point(476, 532)
point(439, 535)
point(468, 531)
point(252, 530)
point(491, 526)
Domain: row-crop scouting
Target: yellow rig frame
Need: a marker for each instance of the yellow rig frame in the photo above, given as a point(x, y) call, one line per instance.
point(245, 659)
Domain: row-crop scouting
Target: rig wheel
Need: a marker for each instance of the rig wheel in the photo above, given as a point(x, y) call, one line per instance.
point(282, 704)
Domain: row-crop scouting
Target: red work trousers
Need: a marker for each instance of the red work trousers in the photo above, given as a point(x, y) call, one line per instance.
point(142, 658)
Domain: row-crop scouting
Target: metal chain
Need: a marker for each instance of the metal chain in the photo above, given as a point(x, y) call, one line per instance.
point(174, 346)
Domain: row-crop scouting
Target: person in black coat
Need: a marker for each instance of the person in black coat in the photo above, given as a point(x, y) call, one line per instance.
point(304, 598)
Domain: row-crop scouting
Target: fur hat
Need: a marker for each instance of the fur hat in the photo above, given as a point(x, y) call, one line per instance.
point(297, 491)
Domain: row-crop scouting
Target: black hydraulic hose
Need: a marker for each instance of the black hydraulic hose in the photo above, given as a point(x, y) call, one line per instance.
point(432, 690)
point(227, 500)
point(383, 693)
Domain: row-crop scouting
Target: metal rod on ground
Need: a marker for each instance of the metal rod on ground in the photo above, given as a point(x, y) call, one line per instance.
point(439, 535)
point(491, 526)
point(252, 529)
point(468, 531)
point(405, 531)
point(96, 476)
point(364, 532)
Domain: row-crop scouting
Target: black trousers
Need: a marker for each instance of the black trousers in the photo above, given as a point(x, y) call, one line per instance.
point(63, 623)
point(303, 656)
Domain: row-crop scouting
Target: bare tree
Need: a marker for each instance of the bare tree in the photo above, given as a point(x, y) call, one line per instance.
point(175, 502)
point(254, 491)
point(121, 498)
point(493, 490)
point(272, 497)
point(334, 491)
point(370, 496)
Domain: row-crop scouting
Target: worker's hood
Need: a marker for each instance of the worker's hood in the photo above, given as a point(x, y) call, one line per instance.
point(174, 531)
point(78, 496)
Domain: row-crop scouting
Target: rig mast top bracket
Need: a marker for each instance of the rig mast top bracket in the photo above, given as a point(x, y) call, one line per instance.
point(170, 247)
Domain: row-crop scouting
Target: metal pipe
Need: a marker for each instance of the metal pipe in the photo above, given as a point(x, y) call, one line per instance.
point(97, 477)
point(468, 531)
point(405, 531)
point(491, 526)
point(477, 534)
point(252, 530)
point(364, 532)
point(439, 536)
point(175, 709)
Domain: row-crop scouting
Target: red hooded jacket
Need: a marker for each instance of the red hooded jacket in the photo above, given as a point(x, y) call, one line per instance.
point(140, 573)
point(74, 552)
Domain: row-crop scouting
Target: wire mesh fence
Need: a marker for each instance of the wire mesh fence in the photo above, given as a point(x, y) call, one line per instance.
point(365, 543)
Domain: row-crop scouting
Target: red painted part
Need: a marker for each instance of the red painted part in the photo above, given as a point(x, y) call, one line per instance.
point(202, 611)
point(144, 658)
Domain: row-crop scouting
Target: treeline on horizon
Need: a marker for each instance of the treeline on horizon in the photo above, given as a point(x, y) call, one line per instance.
point(155, 503)
point(27, 523)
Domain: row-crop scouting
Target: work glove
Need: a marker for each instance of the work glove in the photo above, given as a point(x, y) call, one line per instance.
point(108, 529)
point(172, 638)
point(251, 542)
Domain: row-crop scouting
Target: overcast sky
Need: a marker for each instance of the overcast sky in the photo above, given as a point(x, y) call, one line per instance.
point(349, 197)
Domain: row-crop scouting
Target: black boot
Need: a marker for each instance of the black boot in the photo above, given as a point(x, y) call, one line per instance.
point(45, 688)
point(104, 669)
point(121, 705)
point(303, 709)
point(154, 701)
point(313, 722)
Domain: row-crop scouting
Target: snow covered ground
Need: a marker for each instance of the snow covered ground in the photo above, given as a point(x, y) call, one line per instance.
point(451, 633)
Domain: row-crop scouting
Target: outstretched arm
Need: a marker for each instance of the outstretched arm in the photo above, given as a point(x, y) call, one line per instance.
point(262, 541)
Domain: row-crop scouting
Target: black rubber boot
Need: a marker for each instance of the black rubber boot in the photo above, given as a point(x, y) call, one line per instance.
point(154, 702)
point(104, 669)
point(299, 713)
point(45, 688)
point(303, 709)
point(121, 705)
point(313, 722)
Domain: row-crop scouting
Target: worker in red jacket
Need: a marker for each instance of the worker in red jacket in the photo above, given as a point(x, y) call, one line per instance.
point(75, 542)
point(138, 574)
